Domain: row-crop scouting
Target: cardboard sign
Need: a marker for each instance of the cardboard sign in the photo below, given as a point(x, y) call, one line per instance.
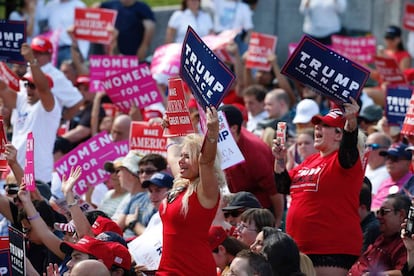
point(121, 148)
point(134, 87)
point(147, 139)
point(397, 102)
point(29, 175)
point(260, 47)
point(91, 155)
point(226, 145)
point(166, 60)
point(177, 111)
point(9, 77)
point(389, 71)
point(17, 252)
point(207, 76)
point(291, 48)
point(101, 67)
point(359, 49)
point(408, 125)
point(408, 18)
point(12, 36)
point(329, 73)
point(5, 266)
point(93, 24)
point(3, 142)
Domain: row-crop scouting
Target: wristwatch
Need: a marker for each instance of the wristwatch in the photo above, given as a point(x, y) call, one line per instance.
point(32, 63)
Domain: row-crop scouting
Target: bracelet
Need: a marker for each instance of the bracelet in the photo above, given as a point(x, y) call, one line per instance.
point(171, 144)
point(35, 216)
point(32, 63)
point(73, 203)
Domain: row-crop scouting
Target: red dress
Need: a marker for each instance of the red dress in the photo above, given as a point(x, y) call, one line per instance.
point(186, 250)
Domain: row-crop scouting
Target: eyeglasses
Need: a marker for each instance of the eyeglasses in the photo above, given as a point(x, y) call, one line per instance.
point(147, 171)
point(383, 211)
point(233, 213)
point(29, 84)
point(242, 226)
point(374, 146)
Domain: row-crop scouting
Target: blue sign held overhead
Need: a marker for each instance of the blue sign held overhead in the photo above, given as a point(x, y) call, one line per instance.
point(397, 102)
point(12, 36)
point(208, 78)
point(326, 71)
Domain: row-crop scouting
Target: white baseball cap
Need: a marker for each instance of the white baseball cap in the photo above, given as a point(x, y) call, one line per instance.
point(305, 110)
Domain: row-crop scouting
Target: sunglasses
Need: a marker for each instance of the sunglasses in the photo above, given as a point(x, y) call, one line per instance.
point(29, 84)
point(383, 211)
point(374, 146)
point(147, 171)
point(233, 213)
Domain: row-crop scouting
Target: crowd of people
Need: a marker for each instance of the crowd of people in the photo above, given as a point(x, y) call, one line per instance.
point(331, 199)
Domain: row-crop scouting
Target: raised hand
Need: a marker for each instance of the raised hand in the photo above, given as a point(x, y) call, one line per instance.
point(212, 122)
point(67, 184)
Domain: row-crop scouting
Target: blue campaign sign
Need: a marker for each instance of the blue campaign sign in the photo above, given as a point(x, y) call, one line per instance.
point(207, 76)
point(329, 73)
point(397, 102)
point(12, 36)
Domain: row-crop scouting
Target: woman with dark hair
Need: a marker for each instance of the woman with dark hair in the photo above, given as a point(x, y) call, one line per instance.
point(394, 47)
point(189, 15)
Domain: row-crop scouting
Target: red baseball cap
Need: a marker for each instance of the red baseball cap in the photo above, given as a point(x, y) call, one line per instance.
point(103, 224)
point(111, 253)
point(216, 236)
point(28, 76)
point(333, 119)
point(82, 79)
point(41, 44)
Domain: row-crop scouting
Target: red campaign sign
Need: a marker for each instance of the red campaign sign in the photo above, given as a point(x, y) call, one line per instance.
point(389, 71)
point(166, 60)
point(9, 77)
point(147, 139)
point(260, 47)
point(408, 125)
point(133, 87)
point(359, 49)
point(218, 43)
point(177, 110)
point(93, 24)
point(408, 18)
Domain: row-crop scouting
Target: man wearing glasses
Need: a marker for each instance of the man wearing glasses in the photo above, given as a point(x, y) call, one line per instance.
point(387, 254)
point(397, 162)
point(238, 204)
point(376, 170)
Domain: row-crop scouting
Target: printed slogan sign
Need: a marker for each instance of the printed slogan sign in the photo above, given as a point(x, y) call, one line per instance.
point(408, 18)
point(147, 139)
point(134, 87)
point(207, 76)
point(177, 111)
point(260, 47)
point(101, 67)
point(91, 156)
point(9, 77)
point(397, 102)
point(331, 74)
point(5, 267)
point(17, 252)
point(389, 70)
point(93, 24)
point(29, 176)
point(12, 36)
point(408, 125)
point(359, 49)
point(226, 145)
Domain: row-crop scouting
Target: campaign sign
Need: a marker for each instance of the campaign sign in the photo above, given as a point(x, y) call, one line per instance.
point(5, 266)
point(91, 156)
point(408, 18)
point(397, 102)
point(93, 24)
point(389, 71)
point(333, 75)
point(29, 176)
point(359, 49)
point(9, 77)
point(12, 36)
point(121, 147)
point(218, 44)
point(17, 252)
point(147, 139)
point(260, 47)
point(207, 76)
point(133, 87)
point(408, 125)
point(226, 145)
point(102, 66)
point(291, 48)
point(177, 111)
point(166, 60)
point(3, 141)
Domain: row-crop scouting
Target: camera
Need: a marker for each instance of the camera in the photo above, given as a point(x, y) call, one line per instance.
point(410, 222)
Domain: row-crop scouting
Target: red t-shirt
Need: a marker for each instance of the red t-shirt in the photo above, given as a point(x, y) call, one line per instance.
point(323, 215)
point(186, 250)
point(255, 174)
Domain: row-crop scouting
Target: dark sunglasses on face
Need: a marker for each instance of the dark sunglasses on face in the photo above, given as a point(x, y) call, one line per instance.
point(233, 213)
point(31, 85)
point(383, 211)
point(374, 146)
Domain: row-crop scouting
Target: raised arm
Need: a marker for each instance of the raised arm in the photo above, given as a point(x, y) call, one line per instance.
point(208, 192)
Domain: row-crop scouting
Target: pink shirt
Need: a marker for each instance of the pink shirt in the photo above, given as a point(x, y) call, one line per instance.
point(384, 189)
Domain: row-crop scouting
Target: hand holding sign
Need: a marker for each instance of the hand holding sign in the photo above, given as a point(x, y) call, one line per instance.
point(350, 114)
point(212, 123)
